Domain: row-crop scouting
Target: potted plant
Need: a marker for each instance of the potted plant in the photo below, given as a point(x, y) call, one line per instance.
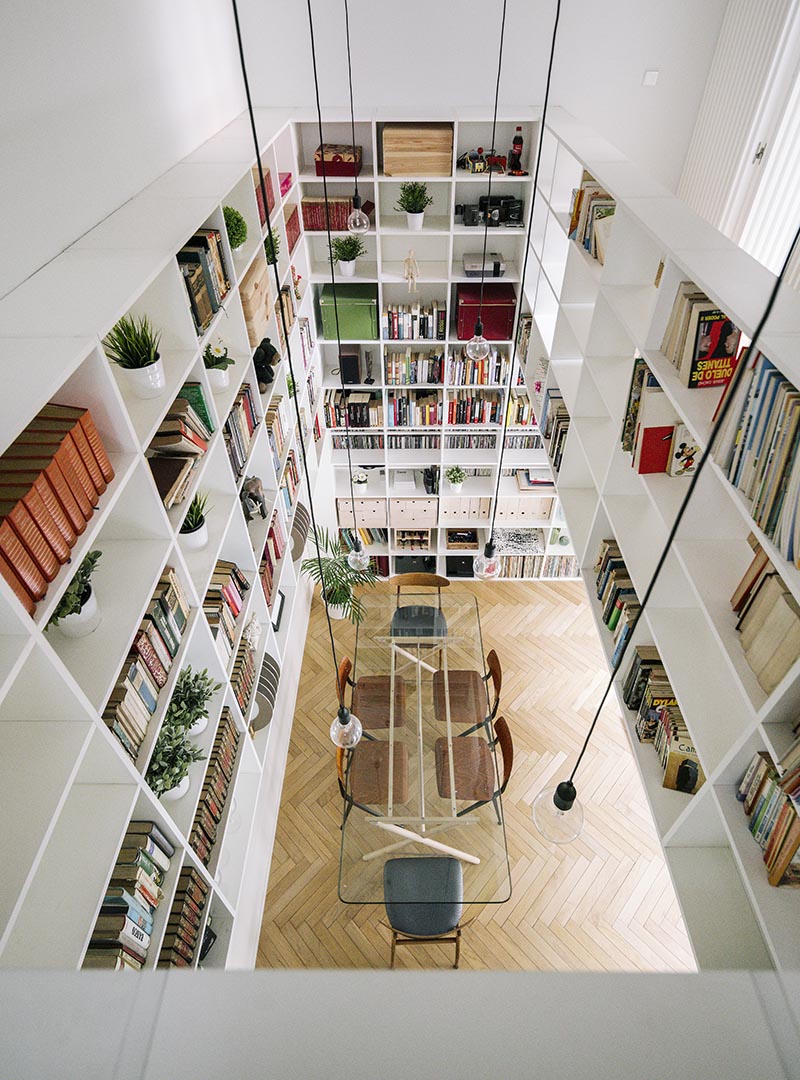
point(455, 477)
point(236, 227)
point(187, 708)
point(345, 250)
point(168, 771)
point(413, 199)
point(360, 479)
point(217, 362)
point(272, 246)
point(133, 346)
point(337, 577)
point(77, 613)
point(194, 529)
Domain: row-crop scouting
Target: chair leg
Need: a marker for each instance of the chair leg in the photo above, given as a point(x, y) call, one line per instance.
point(394, 948)
point(458, 946)
point(497, 810)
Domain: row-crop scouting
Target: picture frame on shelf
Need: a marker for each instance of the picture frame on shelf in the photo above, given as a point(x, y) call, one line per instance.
point(277, 610)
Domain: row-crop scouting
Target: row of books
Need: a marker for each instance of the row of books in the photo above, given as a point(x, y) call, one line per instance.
point(520, 409)
point(616, 593)
point(121, 935)
point(380, 565)
point(274, 547)
point(411, 368)
point(758, 449)
point(470, 442)
point(291, 221)
point(554, 425)
point(263, 211)
point(590, 217)
point(538, 566)
point(184, 921)
point(647, 691)
point(769, 793)
point(223, 603)
point(536, 381)
point(216, 783)
point(313, 386)
point(134, 698)
point(523, 338)
point(243, 675)
point(290, 483)
point(413, 442)
point(651, 429)
point(524, 441)
point(339, 207)
point(367, 536)
point(462, 371)
point(239, 428)
point(187, 426)
point(467, 408)
point(352, 408)
point(700, 341)
point(768, 620)
point(356, 442)
point(306, 341)
point(51, 480)
point(277, 428)
point(205, 275)
point(414, 322)
point(414, 409)
point(286, 303)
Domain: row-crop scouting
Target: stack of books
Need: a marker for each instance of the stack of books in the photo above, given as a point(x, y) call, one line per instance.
point(769, 620)
point(531, 479)
point(464, 407)
point(51, 480)
point(121, 935)
point(243, 675)
point(770, 794)
point(277, 427)
point(203, 835)
point(285, 303)
point(413, 368)
point(223, 604)
point(700, 341)
point(339, 207)
point(523, 338)
point(520, 409)
point(554, 425)
point(462, 371)
point(414, 409)
point(274, 548)
point(414, 322)
point(202, 264)
point(184, 921)
point(590, 217)
point(181, 440)
point(263, 212)
point(353, 408)
point(616, 594)
point(291, 220)
point(290, 482)
point(757, 448)
point(135, 697)
point(239, 428)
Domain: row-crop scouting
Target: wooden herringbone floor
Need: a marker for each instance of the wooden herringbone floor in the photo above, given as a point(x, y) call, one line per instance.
point(604, 902)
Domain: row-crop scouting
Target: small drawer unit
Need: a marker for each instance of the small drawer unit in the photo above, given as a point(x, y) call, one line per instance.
point(370, 513)
point(413, 512)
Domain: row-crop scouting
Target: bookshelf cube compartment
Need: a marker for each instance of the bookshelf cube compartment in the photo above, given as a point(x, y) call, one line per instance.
point(370, 513)
point(416, 149)
point(307, 136)
point(413, 512)
point(437, 218)
point(430, 253)
point(357, 307)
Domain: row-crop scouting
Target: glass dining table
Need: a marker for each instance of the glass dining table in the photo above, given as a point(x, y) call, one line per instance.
point(407, 792)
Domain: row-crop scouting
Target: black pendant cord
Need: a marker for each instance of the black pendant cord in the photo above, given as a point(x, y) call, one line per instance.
point(356, 199)
point(493, 148)
point(524, 271)
point(333, 277)
point(730, 395)
point(263, 187)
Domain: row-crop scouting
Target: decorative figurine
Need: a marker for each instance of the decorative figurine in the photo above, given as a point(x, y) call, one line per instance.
point(263, 361)
point(411, 272)
point(252, 497)
point(296, 279)
point(368, 360)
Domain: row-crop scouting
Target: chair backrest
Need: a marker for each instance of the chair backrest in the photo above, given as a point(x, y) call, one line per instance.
point(496, 673)
point(412, 581)
point(503, 734)
point(343, 676)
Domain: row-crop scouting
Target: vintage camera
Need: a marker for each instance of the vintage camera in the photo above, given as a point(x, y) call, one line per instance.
point(501, 208)
point(472, 215)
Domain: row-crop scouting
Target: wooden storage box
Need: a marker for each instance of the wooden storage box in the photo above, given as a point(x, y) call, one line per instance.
point(370, 513)
point(497, 312)
point(412, 512)
point(462, 539)
point(339, 159)
point(254, 292)
point(418, 149)
point(358, 312)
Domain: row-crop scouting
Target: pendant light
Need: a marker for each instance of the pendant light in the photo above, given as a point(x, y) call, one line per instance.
point(346, 729)
point(357, 220)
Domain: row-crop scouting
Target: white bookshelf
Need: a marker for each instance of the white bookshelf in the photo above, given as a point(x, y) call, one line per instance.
point(591, 320)
point(69, 789)
point(439, 248)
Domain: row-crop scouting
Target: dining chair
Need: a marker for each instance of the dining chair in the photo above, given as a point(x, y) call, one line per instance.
point(423, 896)
point(371, 697)
point(473, 768)
point(466, 693)
point(363, 775)
point(419, 620)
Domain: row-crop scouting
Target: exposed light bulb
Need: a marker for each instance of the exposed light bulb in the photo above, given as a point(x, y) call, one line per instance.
point(357, 220)
point(346, 729)
point(478, 347)
point(557, 814)
point(487, 565)
point(358, 558)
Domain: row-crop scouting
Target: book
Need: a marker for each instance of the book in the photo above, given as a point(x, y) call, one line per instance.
point(152, 831)
point(119, 930)
point(655, 425)
point(193, 393)
point(711, 359)
point(84, 418)
point(684, 452)
point(147, 849)
point(31, 503)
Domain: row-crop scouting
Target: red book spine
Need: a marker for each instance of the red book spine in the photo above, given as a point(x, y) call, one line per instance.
point(16, 585)
point(31, 536)
point(23, 565)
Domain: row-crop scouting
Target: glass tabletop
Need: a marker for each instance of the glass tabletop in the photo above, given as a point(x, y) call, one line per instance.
point(427, 781)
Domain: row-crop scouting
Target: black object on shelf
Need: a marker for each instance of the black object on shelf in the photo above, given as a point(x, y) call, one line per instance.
point(458, 566)
point(209, 937)
point(415, 564)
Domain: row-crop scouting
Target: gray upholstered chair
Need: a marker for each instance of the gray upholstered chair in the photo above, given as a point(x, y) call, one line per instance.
point(423, 896)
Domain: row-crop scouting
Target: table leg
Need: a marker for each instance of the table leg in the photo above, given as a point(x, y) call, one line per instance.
point(420, 743)
point(449, 729)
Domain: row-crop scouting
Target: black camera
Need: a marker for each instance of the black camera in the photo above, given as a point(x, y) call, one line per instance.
point(472, 215)
point(501, 208)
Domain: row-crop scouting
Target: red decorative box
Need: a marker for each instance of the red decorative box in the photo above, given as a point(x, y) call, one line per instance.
point(286, 180)
point(338, 159)
point(499, 308)
point(291, 220)
point(270, 193)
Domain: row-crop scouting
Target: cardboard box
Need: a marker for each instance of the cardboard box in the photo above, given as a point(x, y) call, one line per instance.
point(418, 149)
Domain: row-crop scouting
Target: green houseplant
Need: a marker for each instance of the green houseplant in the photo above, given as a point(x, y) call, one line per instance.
point(272, 246)
point(77, 613)
point(168, 771)
point(194, 528)
point(455, 477)
point(236, 227)
point(345, 250)
point(413, 199)
point(132, 344)
point(188, 705)
point(337, 577)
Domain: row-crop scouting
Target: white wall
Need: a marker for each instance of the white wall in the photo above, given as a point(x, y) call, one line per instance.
point(429, 54)
point(97, 99)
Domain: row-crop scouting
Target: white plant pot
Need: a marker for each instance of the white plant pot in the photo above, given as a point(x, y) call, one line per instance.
point(414, 221)
point(197, 540)
point(177, 792)
point(348, 268)
point(82, 622)
point(337, 612)
point(198, 727)
point(218, 379)
point(455, 488)
point(146, 382)
point(359, 487)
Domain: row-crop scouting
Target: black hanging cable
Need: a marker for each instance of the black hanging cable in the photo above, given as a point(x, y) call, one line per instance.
point(715, 428)
point(489, 549)
point(263, 187)
point(356, 196)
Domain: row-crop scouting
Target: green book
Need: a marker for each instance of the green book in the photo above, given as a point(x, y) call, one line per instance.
point(193, 393)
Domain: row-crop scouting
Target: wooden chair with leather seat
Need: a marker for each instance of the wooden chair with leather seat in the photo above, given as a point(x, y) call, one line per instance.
point(473, 768)
point(419, 620)
point(466, 691)
point(423, 896)
point(363, 774)
point(371, 697)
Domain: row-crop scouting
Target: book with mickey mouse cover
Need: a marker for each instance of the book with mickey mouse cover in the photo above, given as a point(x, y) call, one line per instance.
point(684, 452)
